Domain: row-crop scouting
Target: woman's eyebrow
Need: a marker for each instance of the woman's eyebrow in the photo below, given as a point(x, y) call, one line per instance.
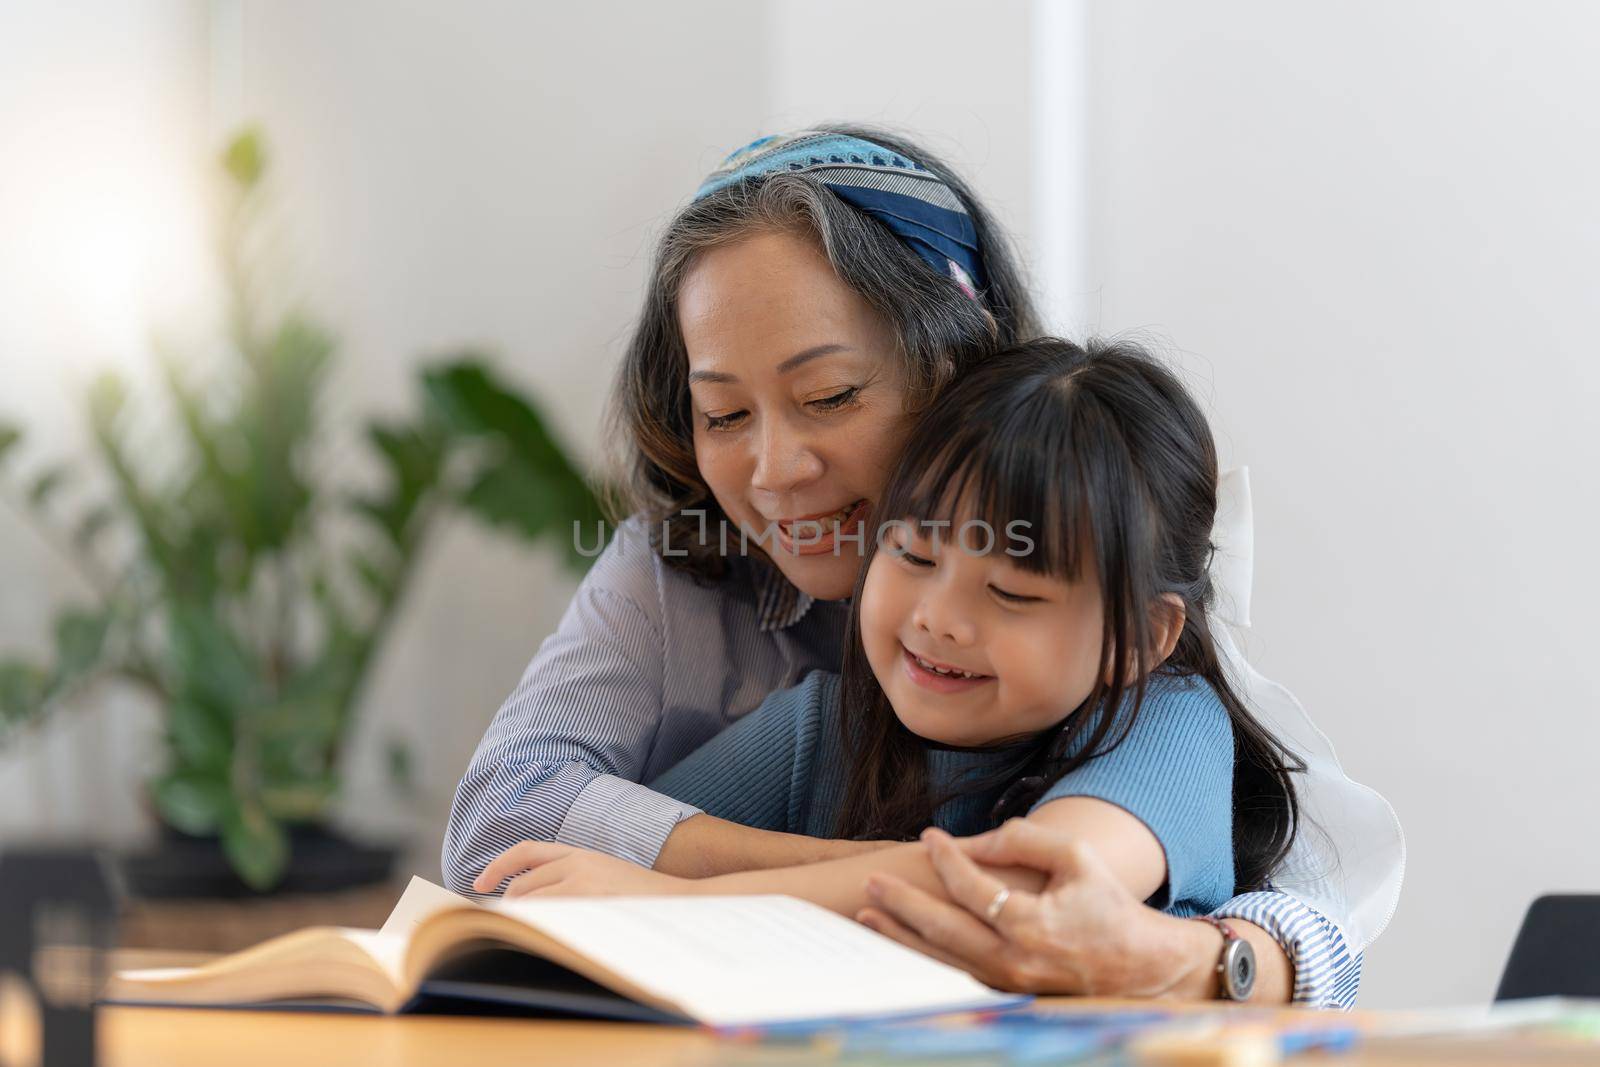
point(797, 360)
point(809, 354)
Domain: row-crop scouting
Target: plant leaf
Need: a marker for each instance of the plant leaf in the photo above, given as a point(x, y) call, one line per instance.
point(277, 425)
point(93, 523)
point(401, 766)
point(378, 579)
point(107, 397)
point(201, 736)
point(212, 666)
point(245, 157)
point(256, 847)
point(24, 691)
point(194, 802)
point(305, 801)
point(218, 488)
point(511, 496)
point(28, 690)
point(313, 719)
point(525, 481)
point(10, 436)
point(80, 639)
point(45, 485)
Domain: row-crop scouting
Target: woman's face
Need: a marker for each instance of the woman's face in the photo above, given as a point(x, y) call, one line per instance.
point(798, 403)
point(969, 648)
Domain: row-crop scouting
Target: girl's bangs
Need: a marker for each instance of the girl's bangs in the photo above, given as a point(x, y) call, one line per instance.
point(1024, 485)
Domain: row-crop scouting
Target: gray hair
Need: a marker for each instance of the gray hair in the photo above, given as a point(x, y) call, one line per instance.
point(939, 329)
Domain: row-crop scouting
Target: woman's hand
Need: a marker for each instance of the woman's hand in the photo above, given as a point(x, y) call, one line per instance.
point(1082, 933)
point(562, 870)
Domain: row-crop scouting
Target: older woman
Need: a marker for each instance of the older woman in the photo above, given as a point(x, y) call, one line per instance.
point(819, 290)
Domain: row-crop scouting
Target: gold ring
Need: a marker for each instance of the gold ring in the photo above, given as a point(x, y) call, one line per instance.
point(992, 912)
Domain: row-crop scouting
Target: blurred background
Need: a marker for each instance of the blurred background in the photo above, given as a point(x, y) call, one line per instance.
point(1367, 234)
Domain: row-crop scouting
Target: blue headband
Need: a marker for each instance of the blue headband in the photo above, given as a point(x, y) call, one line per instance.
point(899, 192)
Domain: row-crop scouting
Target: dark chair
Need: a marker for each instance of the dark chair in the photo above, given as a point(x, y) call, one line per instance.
point(1557, 951)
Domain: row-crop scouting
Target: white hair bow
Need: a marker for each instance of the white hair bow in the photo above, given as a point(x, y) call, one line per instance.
point(1349, 857)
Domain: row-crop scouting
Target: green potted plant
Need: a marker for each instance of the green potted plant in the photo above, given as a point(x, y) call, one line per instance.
point(248, 594)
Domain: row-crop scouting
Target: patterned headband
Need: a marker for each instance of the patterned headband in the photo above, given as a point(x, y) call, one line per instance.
point(899, 192)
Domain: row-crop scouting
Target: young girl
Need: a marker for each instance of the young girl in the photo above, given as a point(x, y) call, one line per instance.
point(1029, 639)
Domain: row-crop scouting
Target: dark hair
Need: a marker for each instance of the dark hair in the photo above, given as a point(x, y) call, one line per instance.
point(939, 329)
point(1112, 465)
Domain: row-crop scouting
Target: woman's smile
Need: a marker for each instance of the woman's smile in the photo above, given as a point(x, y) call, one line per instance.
point(800, 402)
point(811, 535)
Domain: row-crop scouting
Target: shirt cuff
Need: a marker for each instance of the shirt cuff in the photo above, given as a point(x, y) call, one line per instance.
point(1326, 973)
point(623, 819)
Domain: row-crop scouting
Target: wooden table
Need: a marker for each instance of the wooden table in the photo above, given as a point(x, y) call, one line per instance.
point(168, 1037)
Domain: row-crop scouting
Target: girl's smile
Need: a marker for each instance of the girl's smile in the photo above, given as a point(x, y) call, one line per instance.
point(940, 677)
point(970, 648)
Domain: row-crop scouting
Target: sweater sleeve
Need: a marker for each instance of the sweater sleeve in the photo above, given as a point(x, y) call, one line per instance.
point(563, 757)
point(758, 771)
point(1174, 773)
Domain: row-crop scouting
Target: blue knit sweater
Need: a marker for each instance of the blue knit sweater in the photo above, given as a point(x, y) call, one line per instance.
point(783, 767)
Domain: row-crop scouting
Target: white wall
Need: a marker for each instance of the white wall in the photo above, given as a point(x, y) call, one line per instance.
point(1371, 232)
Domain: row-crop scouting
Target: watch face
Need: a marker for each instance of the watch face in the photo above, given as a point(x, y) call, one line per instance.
point(1239, 970)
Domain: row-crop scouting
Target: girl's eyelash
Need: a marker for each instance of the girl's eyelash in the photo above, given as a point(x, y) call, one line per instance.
point(837, 400)
point(722, 422)
point(1014, 598)
point(915, 561)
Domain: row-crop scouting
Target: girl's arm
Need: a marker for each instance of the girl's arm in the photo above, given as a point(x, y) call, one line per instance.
point(1157, 810)
point(1134, 857)
point(1129, 848)
point(751, 786)
point(703, 846)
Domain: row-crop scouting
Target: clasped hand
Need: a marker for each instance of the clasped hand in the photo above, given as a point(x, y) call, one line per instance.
point(1082, 933)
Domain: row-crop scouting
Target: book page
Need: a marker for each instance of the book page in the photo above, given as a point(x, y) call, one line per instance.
point(318, 961)
point(386, 947)
point(421, 899)
point(752, 960)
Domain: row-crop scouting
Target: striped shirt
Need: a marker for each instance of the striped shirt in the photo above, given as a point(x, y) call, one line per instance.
point(648, 664)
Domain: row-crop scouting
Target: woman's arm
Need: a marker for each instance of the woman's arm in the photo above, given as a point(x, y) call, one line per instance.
point(563, 757)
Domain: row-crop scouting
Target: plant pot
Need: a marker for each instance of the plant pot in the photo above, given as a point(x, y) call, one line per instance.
point(321, 861)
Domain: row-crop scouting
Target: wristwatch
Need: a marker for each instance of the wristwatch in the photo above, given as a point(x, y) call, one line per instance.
point(1236, 967)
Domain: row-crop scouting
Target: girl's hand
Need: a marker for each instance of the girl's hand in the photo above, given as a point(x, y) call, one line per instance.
point(562, 870)
point(1083, 933)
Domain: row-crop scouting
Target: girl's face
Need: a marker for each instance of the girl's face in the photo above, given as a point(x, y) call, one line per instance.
point(798, 403)
point(969, 648)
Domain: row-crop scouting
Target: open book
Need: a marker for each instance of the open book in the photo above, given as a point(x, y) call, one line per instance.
point(726, 962)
